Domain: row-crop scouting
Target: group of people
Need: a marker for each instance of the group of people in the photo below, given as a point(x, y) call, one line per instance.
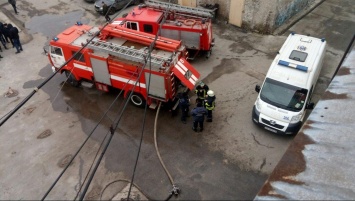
point(205, 104)
point(10, 34)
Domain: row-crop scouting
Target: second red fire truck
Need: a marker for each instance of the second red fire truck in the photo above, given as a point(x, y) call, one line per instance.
point(118, 57)
point(193, 26)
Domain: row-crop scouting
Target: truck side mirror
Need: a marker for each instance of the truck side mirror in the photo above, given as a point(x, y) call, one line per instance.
point(257, 88)
point(310, 106)
point(45, 50)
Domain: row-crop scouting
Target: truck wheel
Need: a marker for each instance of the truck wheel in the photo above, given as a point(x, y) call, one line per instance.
point(137, 100)
point(71, 79)
point(208, 53)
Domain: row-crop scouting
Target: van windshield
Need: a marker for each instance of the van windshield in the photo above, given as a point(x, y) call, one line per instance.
point(283, 95)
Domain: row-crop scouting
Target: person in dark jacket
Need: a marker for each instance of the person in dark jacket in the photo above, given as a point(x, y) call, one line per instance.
point(201, 91)
point(105, 12)
point(15, 38)
point(198, 114)
point(7, 33)
point(2, 36)
point(210, 104)
point(13, 4)
point(184, 104)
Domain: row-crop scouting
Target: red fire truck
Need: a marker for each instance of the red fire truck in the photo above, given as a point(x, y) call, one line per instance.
point(117, 57)
point(193, 26)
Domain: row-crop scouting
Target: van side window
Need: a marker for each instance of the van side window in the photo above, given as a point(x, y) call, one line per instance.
point(79, 56)
point(298, 56)
point(148, 28)
point(132, 25)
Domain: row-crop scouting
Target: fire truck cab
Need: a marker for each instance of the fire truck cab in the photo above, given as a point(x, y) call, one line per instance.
point(193, 26)
point(119, 58)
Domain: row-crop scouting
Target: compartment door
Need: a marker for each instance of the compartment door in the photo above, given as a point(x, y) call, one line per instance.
point(100, 70)
point(156, 86)
point(186, 73)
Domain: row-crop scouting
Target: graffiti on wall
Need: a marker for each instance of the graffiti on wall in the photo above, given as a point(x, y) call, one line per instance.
point(291, 9)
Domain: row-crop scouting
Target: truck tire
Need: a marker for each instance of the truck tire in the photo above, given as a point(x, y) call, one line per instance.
point(137, 100)
point(71, 79)
point(208, 53)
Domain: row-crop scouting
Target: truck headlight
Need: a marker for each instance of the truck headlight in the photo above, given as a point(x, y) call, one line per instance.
point(296, 118)
point(258, 105)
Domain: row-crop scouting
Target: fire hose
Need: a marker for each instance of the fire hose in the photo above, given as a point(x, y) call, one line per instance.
point(175, 190)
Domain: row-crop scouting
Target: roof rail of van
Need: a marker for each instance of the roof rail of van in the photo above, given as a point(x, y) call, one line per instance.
point(296, 66)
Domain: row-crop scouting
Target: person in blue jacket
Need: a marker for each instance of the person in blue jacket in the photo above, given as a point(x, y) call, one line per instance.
point(198, 114)
point(184, 104)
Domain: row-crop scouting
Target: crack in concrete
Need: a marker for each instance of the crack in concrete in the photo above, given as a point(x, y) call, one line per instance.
point(263, 164)
point(260, 143)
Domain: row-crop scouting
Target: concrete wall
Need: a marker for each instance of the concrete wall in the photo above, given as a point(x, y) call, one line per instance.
point(262, 16)
point(288, 8)
point(259, 15)
point(265, 16)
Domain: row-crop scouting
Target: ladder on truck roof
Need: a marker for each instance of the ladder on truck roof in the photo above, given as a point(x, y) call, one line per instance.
point(202, 12)
point(128, 53)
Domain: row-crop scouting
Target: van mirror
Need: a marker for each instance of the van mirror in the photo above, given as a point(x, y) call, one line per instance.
point(257, 88)
point(310, 106)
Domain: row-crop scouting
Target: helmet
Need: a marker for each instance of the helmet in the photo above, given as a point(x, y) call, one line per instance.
point(210, 93)
point(202, 84)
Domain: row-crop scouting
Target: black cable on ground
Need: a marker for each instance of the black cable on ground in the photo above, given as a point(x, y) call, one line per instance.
point(82, 145)
point(103, 116)
point(12, 112)
point(175, 190)
point(71, 160)
point(113, 129)
point(97, 153)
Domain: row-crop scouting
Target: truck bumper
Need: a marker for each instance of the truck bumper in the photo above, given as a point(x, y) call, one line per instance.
point(290, 130)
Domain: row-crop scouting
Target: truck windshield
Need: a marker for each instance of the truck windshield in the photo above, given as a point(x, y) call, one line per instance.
point(283, 95)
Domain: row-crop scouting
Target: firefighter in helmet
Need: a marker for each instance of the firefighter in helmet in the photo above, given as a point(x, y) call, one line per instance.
point(201, 91)
point(210, 104)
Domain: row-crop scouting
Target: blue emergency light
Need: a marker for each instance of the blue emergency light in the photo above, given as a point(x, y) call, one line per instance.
point(79, 23)
point(55, 38)
point(291, 65)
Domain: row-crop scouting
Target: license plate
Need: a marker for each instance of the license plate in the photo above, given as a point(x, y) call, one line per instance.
point(270, 129)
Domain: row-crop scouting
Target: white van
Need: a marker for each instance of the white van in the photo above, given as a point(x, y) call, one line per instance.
point(288, 85)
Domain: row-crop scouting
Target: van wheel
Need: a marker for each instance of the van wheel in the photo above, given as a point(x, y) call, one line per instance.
point(71, 79)
point(137, 100)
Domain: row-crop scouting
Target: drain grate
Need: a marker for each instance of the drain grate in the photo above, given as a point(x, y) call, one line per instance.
point(64, 161)
point(44, 134)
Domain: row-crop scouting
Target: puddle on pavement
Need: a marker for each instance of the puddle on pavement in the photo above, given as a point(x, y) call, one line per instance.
point(51, 25)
